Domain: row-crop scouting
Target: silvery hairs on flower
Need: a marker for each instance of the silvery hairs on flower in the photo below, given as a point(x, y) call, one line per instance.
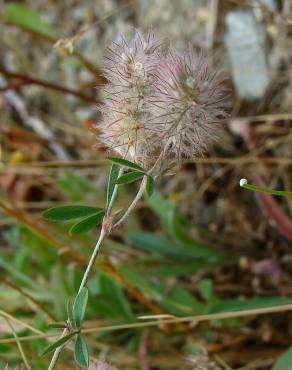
point(189, 103)
point(159, 101)
point(130, 69)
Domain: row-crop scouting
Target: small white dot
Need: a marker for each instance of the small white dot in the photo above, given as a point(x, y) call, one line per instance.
point(243, 182)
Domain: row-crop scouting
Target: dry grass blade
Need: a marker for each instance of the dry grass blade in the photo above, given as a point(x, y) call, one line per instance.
point(163, 322)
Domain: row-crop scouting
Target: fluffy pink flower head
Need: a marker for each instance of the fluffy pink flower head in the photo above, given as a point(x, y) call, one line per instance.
point(188, 104)
point(131, 70)
point(158, 103)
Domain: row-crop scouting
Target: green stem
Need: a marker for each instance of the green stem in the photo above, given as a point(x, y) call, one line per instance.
point(88, 270)
point(101, 238)
point(260, 189)
point(92, 259)
point(82, 285)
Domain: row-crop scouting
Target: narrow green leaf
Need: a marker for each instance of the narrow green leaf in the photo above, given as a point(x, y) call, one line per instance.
point(260, 189)
point(284, 362)
point(129, 177)
point(248, 304)
point(66, 213)
point(26, 17)
point(149, 185)
point(79, 306)
point(181, 269)
point(157, 244)
point(114, 298)
point(113, 176)
point(87, 223)
point(126, 163)
point(179, 301)
point(206, 289)
point(58, 343)
point(81, 352)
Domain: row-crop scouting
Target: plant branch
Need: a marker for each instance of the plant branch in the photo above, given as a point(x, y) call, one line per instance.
point(104, 231)
point(57, 352)
point(82, 285)
point(19, 322)
point(92, 259)
point(141, 189)
point(159, 322)
point(87, 271)
point(94, 69)
point(25, 79)
point(19, 345)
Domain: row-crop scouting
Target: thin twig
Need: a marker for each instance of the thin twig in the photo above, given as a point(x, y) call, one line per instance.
point(143, 351)
point(93, 162)
point(25, 79)
point(19, 322)
point(173, 320)
point(92, 259)
point(94, 69)
point(21, 351)
point(57, 352)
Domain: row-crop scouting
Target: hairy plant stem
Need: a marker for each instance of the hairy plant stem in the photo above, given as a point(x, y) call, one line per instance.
point(92, 259)
point(57, 352)
point(102, 235)
point(82, 285)
point(87, 271)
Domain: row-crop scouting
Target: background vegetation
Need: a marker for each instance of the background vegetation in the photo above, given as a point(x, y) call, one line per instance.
point(200, 245)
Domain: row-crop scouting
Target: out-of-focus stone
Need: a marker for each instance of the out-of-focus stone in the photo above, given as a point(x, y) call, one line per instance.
point(245, 40)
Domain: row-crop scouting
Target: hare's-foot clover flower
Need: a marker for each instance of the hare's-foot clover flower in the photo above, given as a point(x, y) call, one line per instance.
point(189, 103)
point(159, 103)
point(130, 69)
